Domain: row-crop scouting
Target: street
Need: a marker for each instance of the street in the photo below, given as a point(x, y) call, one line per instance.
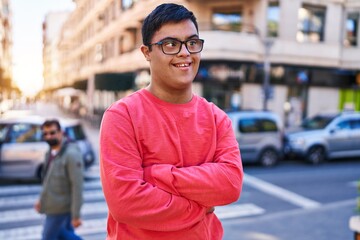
point(293, 200)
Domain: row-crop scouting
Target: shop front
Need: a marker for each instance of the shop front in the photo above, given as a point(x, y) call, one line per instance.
point(295, 91)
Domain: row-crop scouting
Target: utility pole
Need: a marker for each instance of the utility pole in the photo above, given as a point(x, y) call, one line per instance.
point(267, 43)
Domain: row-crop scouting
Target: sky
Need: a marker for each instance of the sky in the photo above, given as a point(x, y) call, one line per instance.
point(27, 19)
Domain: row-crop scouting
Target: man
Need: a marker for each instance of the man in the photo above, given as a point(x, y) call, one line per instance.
point(61, 196)
point(167, 156)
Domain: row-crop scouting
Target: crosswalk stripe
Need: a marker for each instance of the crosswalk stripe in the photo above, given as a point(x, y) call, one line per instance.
point(24, 223)
point(31, 215)
point(238, 210)
point(93, 226)
point(29, 200)
point(32, 233)
point(11, 190)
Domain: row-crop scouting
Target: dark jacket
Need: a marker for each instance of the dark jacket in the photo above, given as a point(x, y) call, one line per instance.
point(63, 182)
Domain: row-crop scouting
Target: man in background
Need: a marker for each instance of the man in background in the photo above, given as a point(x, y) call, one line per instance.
point(61, 197)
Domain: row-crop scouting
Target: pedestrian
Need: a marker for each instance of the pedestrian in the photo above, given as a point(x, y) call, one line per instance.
point(61, 196)
point(167, 156)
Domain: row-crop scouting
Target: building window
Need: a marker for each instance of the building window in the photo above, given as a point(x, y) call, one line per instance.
point(273, 19)
point(352, 24)
point(99, 55)
point(126, 4)
point(227, 20)
point(311, 24)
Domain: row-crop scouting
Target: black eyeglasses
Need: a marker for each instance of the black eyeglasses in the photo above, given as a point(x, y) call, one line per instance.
point(49, 133)
point(171, 46)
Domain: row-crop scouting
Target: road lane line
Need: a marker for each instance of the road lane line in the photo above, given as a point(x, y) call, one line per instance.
point(281, 193)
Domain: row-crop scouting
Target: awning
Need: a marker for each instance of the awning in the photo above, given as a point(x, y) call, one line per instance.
point(81, 84)
point(114, 81)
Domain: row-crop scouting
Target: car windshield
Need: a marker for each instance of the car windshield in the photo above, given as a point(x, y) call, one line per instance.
point(317, 122)
point(75, 133)
point(3, 130)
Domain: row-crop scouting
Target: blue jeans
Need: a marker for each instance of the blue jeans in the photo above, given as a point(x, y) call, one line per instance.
point(58, 227)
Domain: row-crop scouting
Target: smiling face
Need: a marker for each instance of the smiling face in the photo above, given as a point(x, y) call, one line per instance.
point(172, 75)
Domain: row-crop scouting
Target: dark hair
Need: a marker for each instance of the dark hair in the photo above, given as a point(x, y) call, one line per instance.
point(51, 122)
point(162, 14)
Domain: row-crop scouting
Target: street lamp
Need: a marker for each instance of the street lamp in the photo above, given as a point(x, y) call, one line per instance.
point(266, 44)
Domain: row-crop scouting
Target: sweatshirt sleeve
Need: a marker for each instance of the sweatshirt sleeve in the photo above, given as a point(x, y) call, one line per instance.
point(130, 199)
point(210, 184)
point(75, 171)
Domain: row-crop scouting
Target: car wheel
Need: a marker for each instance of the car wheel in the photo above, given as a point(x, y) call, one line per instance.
point(269, 157)
point(316, 155)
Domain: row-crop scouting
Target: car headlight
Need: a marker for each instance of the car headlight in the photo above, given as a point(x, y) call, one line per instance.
point(300, 142)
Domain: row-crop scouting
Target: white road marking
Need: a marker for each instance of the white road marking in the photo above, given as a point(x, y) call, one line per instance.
point(238, 210)
point(281, 193)
point(7, 190)
point(30, 214)
point(27, 200)
point(93, 226)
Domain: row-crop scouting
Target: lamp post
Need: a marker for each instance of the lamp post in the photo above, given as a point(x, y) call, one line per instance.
point(266, 44)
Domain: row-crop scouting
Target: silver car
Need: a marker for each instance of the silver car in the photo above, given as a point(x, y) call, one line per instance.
point(260, 136)
point(22, 149)
point(325, 136)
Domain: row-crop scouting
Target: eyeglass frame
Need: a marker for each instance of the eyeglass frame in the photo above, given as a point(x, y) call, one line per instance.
point(161, 42)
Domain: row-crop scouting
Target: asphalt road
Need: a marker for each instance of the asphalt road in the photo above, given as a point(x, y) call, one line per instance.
point(300, 201)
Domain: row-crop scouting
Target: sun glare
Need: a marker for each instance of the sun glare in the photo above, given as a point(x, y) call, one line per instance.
point(24, 78)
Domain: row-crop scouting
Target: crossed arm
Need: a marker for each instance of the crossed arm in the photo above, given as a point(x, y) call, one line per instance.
point(163, 197)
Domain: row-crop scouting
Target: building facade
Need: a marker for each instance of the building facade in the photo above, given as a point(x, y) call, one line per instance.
point(52, 25)
point(294, 57)
point(7, 87)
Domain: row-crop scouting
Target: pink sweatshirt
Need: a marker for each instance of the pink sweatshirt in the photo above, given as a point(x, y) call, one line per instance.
point(163, 165)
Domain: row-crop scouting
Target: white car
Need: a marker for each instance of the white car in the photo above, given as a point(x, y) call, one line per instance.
point(22, 149)
point(260, 136)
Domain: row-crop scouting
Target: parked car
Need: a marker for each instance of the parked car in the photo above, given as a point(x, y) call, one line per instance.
point(260, 136)
point(22, 149)
point(325, 136)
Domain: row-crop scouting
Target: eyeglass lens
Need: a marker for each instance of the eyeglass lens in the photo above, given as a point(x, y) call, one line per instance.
point(173, 46)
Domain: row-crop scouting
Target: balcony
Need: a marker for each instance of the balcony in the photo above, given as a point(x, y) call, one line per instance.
point(243, 46)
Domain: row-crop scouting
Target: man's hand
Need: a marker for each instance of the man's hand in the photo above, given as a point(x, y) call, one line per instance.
point(37, 206)
point(76, 222)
